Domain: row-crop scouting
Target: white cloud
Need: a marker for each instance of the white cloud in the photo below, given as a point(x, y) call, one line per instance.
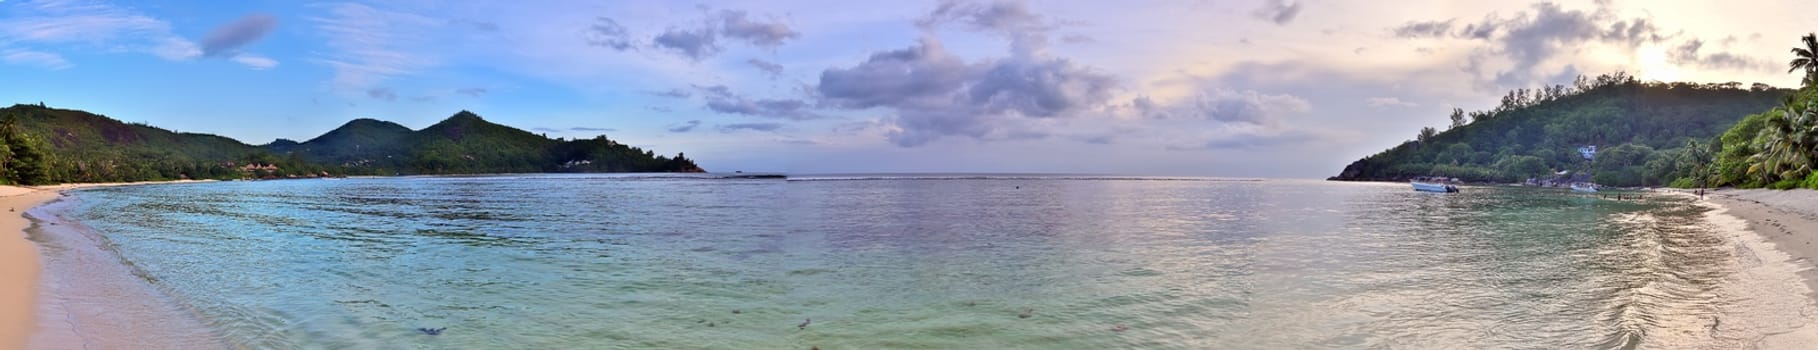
point(255, 61)
point(370, 45)
point(175, 49)
point(95, 26)
point(35, 58)
point(1388, 102)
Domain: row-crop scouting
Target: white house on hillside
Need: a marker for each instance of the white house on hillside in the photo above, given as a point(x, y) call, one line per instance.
point(1588, 152)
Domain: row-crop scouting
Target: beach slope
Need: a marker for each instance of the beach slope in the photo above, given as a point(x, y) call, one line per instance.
point(18, 265)
point(1789, 219)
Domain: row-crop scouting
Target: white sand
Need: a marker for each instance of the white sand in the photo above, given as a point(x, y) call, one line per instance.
point(1773, 231)
point(1788, 219)
point(20, 268)
point(18, 265)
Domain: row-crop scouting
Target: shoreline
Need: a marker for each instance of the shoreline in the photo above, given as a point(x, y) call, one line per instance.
point(23, 294)
point(1786, 218)
point(1771, 232)
point(19, 265)
point(1768, 301)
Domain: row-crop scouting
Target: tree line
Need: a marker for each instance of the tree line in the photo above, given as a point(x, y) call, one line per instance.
point(1774, 149)
point(1535, 133)
point(1649, 134)
point(41, 145)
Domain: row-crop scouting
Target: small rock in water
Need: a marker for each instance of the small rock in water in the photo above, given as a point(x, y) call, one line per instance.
point(432, 331)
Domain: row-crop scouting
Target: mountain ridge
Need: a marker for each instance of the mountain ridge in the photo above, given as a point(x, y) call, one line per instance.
point(88, 147)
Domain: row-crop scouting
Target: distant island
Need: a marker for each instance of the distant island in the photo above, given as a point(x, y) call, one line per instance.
point(44, 145)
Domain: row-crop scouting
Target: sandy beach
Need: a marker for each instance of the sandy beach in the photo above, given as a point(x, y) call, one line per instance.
point(20, 263)
point(1788, 219)
point(1772, 232)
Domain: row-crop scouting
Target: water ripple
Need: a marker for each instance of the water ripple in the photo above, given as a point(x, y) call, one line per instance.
point(1002, 263)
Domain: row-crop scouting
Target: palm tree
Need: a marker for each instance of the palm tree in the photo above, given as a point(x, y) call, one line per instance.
point(1699, 154)
point(1806, 58)
point(1787, 143)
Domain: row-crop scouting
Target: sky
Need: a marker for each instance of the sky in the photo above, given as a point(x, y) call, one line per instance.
point(1258, 88)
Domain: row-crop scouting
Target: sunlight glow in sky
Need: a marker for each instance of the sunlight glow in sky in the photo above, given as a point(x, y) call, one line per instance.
point(1276, 88)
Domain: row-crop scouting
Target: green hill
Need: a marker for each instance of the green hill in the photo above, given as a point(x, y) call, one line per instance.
point(465, 143)
point(1639, 129)
point(78, 146)
point(358, 139)
point(85, 147)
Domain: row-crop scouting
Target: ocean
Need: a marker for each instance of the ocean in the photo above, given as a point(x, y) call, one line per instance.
point(918, 262)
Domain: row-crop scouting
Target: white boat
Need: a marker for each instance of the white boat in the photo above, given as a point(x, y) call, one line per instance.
point(1584, 187)
point(1426, 184)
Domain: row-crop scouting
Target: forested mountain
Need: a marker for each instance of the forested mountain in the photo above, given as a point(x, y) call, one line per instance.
point(49, 145)
point(1639, 129)
point(360, 138)
point(85, 147)
point(466, 144)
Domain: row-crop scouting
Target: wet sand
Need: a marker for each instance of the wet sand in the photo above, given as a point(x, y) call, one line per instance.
point(27, 303)
point(89, 299)
point(1788, 219)
point(1772, 232)
point(18, 265)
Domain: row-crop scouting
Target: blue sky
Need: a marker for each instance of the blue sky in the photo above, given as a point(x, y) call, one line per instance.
point(1266, 88)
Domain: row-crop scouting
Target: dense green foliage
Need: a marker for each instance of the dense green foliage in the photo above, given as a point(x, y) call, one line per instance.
point(1640, 128)
point(360, 138)
point(47, 145)
point(1679, 134)
point(1774, 149)
point(22, 155)
point(83, 147)
point(1777, 148)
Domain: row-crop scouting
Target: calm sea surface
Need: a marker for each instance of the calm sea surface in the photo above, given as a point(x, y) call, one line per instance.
point(1036, 262)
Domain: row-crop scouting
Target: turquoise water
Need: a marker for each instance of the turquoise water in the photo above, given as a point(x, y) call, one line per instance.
point(626, 262)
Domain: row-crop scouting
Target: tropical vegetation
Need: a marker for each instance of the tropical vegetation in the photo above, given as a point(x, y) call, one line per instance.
point(1640, 130)
point(44, 145)
point(1650, 134)
point(1777, 148)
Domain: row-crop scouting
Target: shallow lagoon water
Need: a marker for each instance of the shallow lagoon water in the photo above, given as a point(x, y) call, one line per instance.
point(916, 262)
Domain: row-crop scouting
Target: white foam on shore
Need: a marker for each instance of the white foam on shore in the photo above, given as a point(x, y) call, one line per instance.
point(1764, 304)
